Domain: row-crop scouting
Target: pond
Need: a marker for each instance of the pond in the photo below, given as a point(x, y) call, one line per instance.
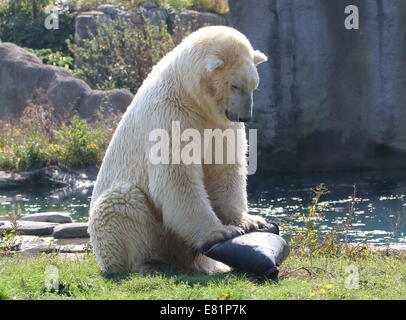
point(379, 202)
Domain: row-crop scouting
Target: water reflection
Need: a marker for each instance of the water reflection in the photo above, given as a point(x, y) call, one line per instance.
point(34, 200)
point(379, 202)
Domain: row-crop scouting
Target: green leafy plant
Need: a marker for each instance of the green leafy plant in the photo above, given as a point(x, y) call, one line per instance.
point(309, 241)
point(120, 55)
point(41, 138)
point(22, 22)
point(56, 58)
point(87, 5)
point(22, 148)
point(306, 238)
point(10, 240)
point(217, 6)
point(175, 4)
point(7, 242)
point(81, 143)
point(31, 8)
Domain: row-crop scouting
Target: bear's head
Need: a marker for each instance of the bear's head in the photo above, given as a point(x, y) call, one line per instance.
point(224, 72)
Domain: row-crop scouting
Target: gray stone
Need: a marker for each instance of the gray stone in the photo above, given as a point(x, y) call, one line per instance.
point(85, 24)
point(33, 245)
point(154, 14)
point(111, 10)
point(197, 19)
point(188, 20)
point(329, 98)
point(71, 230)
point(56, 217)
point(149, 5)
point(21, 73)
point(33, 228)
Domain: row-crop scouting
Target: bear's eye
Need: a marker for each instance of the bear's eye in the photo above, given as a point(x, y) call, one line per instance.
point(234, 87)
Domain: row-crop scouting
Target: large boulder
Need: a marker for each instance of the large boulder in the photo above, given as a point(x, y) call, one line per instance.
point(329, 97)
point(22, 73)
point(194, 20)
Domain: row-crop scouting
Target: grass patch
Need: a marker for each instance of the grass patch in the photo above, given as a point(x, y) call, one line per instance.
point(380, 277)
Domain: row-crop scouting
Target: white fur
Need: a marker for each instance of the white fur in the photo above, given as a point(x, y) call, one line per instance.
point(146, 217)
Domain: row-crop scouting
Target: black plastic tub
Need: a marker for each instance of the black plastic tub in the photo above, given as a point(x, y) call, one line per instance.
point(260, 252)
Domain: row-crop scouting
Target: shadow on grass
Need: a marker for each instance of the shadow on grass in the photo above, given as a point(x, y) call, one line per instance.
point(116, 276)
point(195, 279)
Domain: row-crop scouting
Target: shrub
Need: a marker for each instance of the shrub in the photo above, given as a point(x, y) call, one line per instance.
point(84, 5)
point(175, 4)
point(31, 8)
point(54, 58)
point(217, 6)
point(21, 148)
point(40, 138)
point(23, 144)
point(82, 143)
point(120, 55)
point(22, 22)
point(309, 240)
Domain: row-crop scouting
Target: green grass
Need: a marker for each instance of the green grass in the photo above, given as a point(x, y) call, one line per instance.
point(380, 278)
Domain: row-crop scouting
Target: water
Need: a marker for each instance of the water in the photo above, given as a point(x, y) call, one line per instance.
point(380, 203)
point(35, 200)
point(380, 199)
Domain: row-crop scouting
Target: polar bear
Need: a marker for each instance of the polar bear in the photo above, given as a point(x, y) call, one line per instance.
point(147, 217)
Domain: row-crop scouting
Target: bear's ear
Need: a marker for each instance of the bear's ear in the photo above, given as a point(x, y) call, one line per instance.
point(259, 57)
point(213, 63)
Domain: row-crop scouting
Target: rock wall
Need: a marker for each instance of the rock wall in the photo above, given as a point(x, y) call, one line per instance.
point(22, 72)
point(86, 22)
point(329, 97)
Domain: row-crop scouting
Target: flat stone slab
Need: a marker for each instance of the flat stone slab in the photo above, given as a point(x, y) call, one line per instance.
point(33, 245)
point(33, 228)
point(71, 230)
point(68, 242)
point(56, 217)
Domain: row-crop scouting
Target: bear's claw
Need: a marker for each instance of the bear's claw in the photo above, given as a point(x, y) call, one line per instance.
point(251, 223)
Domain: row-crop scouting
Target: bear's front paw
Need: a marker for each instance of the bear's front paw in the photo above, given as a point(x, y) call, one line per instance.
point(251, 223)
point(219, 235)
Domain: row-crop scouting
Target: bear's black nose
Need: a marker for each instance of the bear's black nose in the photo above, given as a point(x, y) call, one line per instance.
point(248, 119)
point(237, 118)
